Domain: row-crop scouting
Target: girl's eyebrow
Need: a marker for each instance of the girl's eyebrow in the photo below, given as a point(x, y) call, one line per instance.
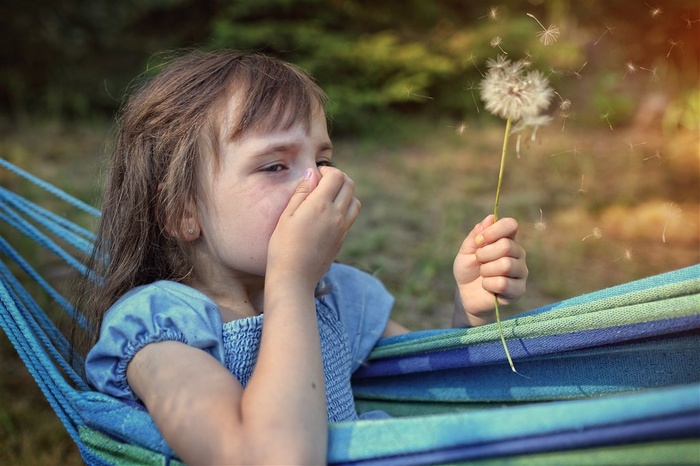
point(277, 147)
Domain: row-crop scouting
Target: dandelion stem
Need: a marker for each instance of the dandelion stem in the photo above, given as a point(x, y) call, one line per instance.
point(501, 169)
point(495, 218)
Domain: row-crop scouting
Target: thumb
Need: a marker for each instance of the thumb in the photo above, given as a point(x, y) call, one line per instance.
point(308, 183)
point(487, 222)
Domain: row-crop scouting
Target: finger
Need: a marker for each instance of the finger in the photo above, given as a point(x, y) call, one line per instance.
point(504, 267)
point(507, 289)
point(346, 194)
point(503, 228)
point(504, 247)
point(473, 240)
point(308, 183)
point(330, 184)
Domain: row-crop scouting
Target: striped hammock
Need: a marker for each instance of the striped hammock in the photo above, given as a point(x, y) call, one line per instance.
point(610, 377)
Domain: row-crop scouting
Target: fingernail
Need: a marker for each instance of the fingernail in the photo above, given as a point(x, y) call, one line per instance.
point(479, 239)
point(307, 174)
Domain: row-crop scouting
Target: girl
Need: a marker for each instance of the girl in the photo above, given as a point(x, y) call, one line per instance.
point(218, 306)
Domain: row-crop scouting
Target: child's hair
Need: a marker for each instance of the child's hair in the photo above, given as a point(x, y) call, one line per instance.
point(164, 131)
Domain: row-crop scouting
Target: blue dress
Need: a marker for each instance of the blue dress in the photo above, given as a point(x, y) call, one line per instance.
point(351, 319)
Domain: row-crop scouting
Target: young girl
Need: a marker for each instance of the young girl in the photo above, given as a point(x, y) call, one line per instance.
point(219, 305)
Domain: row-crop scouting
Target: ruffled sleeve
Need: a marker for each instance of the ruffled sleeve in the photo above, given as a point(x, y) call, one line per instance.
point(161, 311)
point(363, 305)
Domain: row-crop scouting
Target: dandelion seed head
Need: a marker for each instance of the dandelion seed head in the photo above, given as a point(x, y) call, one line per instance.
point(496, 41)
point(671, 209)
point(655, 11)
point(530, 121)
point(597, 233)
point(631, 67)
point(549, 35)
point(508, 91)
point(565, 104)
point(540, 226)
point(493, 13)
point(629, 254)
point(461, 128)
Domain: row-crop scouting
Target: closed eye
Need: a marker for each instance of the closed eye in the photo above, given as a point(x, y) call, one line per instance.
point(324, 163)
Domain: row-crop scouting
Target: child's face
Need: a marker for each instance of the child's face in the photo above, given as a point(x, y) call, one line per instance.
point(244, 198)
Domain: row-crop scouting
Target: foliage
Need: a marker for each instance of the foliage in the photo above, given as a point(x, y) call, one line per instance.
point(78, 57)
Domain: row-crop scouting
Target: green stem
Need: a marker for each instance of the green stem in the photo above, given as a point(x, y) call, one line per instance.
point(500, 171)
point(495, 218)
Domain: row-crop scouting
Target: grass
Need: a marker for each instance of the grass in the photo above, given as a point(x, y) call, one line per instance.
point(422, 189)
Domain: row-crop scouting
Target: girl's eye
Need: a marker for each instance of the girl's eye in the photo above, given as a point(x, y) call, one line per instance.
point(325, 163)
point(274, 168)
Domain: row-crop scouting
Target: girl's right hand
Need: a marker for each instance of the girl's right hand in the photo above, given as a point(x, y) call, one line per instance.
point(313, 226)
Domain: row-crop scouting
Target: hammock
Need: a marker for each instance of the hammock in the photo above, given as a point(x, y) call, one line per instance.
point(608, 377)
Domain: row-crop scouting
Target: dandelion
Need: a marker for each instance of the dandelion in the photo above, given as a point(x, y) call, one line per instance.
point(511, 94)
point(607, 29)
point(671, 210)
point(410, 93)
point(554, 72)
point(565, 103)
point(673, 44)
point(689, 22)
point(654, 11)
point(548, 35)
point(472, 58)
point(630, 68)
point(565, 116)
point(633, 145)
point(496, 42)
point(654, 73)
point(606, 116)
point(657, 155)
point(628, 255)
point(540, 226)
point(493, 13)
point(461, 128)
point(597, 233)
point(508, 91)
point(574, 151)
point(533, 122)
point(471, 90)
point(578, 73)
point(581, 189)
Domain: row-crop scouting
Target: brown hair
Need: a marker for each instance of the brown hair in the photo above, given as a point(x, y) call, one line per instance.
point(163, 131)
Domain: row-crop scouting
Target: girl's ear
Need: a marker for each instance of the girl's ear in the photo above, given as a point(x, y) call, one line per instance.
point(185, 228)
point(189, 225)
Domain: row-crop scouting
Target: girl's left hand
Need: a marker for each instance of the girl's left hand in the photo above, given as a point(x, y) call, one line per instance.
point(489, 262)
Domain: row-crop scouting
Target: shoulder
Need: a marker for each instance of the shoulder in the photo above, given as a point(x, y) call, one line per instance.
point(166, 302)
point(344, 280)
point(161, 311)
point(363, 305)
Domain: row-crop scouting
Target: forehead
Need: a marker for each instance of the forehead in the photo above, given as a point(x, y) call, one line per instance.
point(270, 101)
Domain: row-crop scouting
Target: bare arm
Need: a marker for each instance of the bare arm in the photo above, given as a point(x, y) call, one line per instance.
point(206, 415)
point(280, 417)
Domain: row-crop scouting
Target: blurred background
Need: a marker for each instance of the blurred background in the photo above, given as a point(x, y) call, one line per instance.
point(607, 192)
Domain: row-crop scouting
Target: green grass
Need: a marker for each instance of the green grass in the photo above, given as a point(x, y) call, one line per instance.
point(422, 188)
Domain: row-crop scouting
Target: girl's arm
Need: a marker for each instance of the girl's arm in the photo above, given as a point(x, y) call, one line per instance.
point(207, 417)
point(280, 417)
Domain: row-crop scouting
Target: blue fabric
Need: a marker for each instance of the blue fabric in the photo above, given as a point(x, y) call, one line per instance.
point(161, 311)
point(639, 338)
point(677, 426)
point(591, 417)
point(352, 317)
